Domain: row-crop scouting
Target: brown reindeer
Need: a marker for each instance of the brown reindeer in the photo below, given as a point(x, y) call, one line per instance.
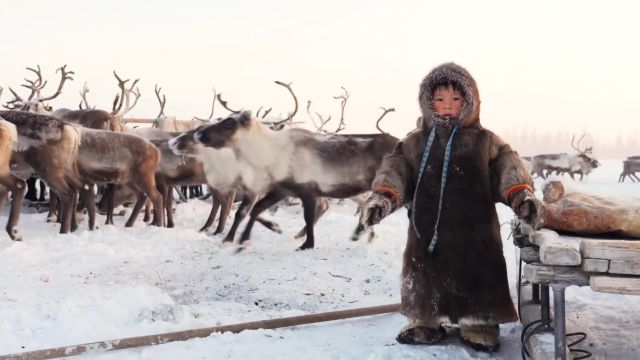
point(297, 162)
point(629, 168)
point(49, 147)
point(174, 170)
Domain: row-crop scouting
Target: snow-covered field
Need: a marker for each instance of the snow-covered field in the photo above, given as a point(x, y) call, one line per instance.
point(111, 283)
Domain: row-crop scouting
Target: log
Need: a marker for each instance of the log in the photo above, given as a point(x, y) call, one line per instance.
point(544, 274)
point(157, 339)
point(624, 267)
point(590, 214)
point(595, 265)
point(615, 284)
point(611, 249)
point(555, 250)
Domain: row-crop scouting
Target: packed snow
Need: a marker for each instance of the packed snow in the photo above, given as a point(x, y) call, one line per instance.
point(117, 282)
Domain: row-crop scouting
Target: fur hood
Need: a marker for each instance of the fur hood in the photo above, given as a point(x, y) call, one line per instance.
point(469, 114)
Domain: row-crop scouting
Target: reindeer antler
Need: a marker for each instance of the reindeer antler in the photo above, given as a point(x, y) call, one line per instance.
point(11, 105)
point(224, 103)
point(577, 146)
point(64, 76)
point(213, 105)
point(162, 101)
point(264, 115)
point(35, 85)
point(83, 96)
point(384, 112)
point(289, 117)
point(119, 100)
point(343, 102)
point(322, 121)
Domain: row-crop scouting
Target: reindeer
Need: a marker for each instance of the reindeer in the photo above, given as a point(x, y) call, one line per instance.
point(8, 181)
point(173, 170)
point(629, 168)
point(48, 147)
point(36, 103)
point(297, 162)
point(224, 176)
point(581, 163)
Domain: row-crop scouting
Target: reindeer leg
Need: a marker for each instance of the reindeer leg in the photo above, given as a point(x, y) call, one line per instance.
point(225, 209)
point(633, 175)
point(90, 203)
point(309, 205)
point(43, 189)
point(109, 193)
point(167, 194)
point(245, 206)
point(273, 226)
point(217, 198)
point(66, 210)
point(156, 199)
point(321, 208)
point(18, 189)
point(74, 207)
point(141, 198)
point(54, 203)
point(271, 198)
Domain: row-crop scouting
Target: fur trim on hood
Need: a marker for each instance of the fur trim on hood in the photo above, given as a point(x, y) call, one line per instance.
point(469, 114)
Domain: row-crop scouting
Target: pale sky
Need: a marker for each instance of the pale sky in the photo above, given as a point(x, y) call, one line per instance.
point(541, 65)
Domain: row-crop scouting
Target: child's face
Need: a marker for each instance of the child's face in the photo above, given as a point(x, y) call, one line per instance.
point(447, 101)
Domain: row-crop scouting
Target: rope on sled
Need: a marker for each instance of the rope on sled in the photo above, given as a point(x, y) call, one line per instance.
point(157, 339)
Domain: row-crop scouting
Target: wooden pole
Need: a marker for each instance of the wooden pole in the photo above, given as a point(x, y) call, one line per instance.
point(132, 342)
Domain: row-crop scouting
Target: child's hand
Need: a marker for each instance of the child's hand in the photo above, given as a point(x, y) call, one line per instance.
point(375, 209)
point(530, 210)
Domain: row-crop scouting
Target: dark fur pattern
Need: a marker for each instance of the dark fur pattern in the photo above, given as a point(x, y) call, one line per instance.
point(35, 126)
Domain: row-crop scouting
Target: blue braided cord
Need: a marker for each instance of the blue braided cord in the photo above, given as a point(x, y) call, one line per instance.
point(423, 163)
point(443, 182)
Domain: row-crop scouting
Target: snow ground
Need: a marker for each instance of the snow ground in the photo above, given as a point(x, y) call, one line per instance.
point(60, 290)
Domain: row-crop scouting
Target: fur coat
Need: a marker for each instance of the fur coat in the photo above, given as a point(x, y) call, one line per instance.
point(464, 278)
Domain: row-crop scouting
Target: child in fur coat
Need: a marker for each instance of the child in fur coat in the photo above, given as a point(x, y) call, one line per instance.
point(452, 171)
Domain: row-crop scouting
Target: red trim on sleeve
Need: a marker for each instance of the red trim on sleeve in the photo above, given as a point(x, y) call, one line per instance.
point(388, 190)
point(515, 188)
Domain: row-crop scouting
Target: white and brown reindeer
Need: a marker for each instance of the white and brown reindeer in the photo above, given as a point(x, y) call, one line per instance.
point(297, 162)
point(581, 162)
point(224, 176)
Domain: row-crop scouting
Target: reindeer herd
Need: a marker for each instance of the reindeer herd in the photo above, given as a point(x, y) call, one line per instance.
point(580, 163)
point(243, 157)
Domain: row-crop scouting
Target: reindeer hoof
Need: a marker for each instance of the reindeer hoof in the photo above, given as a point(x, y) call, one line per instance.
point(52, 219)
point(15, 235)
point(304, 247)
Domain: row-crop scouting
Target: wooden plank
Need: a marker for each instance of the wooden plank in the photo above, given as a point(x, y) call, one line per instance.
point(615, 284)
point(626, 250)
point(556, 250)
point(595, 265)
point(529, 254)
point(624, 267)
point(544, 274)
